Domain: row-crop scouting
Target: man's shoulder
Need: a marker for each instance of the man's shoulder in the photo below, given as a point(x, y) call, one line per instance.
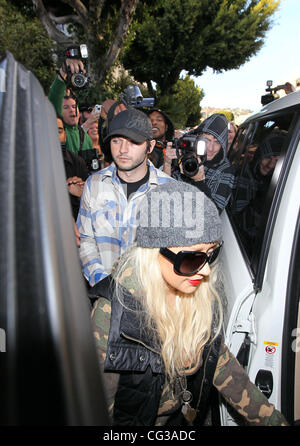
point(103, 177)
point(161, 176)
point(225, 167)
point(228, 168)
point(164, 175)
point(106, 172)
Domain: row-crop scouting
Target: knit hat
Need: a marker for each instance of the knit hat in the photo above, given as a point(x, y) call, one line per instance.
point(177, 214)
point(132, 124)
point(216, 125)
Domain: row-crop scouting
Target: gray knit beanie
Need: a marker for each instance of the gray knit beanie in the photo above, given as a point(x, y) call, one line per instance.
point(177, 214)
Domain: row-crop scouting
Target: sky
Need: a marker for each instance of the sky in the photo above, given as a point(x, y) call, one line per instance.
point(278, 60)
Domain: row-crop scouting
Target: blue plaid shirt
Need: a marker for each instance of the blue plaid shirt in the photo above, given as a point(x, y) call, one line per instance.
point(107, 220)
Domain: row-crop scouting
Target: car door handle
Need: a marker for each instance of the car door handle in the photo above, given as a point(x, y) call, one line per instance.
point(264, 381)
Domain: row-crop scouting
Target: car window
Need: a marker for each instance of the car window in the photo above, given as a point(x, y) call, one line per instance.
point(236, 150)
point(257, 154)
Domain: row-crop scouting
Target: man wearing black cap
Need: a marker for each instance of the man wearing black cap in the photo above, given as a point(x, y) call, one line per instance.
point(107, 215)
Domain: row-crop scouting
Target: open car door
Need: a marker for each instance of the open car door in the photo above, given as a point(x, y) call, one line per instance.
point(49, 371)
point(261, 256)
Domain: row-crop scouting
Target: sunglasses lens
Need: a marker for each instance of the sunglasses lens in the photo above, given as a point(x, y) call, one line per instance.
point(214, 255)
point(192, 262)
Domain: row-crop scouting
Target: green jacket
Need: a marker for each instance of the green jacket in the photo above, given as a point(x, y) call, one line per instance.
point(230, 378)
point(56, 96)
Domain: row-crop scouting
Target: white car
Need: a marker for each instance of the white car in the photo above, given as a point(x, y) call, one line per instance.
point(261, 255)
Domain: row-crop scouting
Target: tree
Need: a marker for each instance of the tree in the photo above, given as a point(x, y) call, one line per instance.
point(228, 113)
point(154, 40)
point(192, 35)
point(26, 39)
point(102, 24)
point(183, 106)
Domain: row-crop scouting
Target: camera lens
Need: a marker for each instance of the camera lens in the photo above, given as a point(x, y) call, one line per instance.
point(78, 80)
point(190, 165)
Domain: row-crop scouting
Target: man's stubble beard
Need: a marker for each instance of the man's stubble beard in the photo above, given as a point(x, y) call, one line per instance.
point(132, 167)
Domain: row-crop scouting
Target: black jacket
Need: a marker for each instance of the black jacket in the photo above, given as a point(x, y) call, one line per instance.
point(74, 166)
point(132, 352)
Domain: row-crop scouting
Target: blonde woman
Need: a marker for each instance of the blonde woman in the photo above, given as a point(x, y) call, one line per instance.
point(157, 322)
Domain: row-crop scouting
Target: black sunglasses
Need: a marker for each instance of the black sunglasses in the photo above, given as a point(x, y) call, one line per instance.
point(188, 263)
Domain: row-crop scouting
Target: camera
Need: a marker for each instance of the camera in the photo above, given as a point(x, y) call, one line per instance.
point(76, 80)
point(92, 159)
point(271, 95)
point(188, 148)
point(132, 96)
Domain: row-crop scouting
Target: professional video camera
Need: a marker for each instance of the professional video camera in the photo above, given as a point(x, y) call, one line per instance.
point(76, 80)
point(132, 96)
point(271, 95)
point(188, 147)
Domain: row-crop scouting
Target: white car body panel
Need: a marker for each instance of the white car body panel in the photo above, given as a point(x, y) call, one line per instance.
point(261, 313)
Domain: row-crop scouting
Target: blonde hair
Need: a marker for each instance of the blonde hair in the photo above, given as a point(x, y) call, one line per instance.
point(181, 329)
point(234, 125)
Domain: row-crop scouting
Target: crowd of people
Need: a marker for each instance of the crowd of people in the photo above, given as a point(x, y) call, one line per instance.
point(148, 239)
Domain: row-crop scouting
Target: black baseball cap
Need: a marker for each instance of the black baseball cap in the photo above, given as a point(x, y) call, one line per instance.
point(132, 124)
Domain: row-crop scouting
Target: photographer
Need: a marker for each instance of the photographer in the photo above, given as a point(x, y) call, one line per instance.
point(66, 106)
point(272, 92)
point(215, 175)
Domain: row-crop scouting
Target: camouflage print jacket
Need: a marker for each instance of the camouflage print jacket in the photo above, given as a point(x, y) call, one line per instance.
point(229, 377)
